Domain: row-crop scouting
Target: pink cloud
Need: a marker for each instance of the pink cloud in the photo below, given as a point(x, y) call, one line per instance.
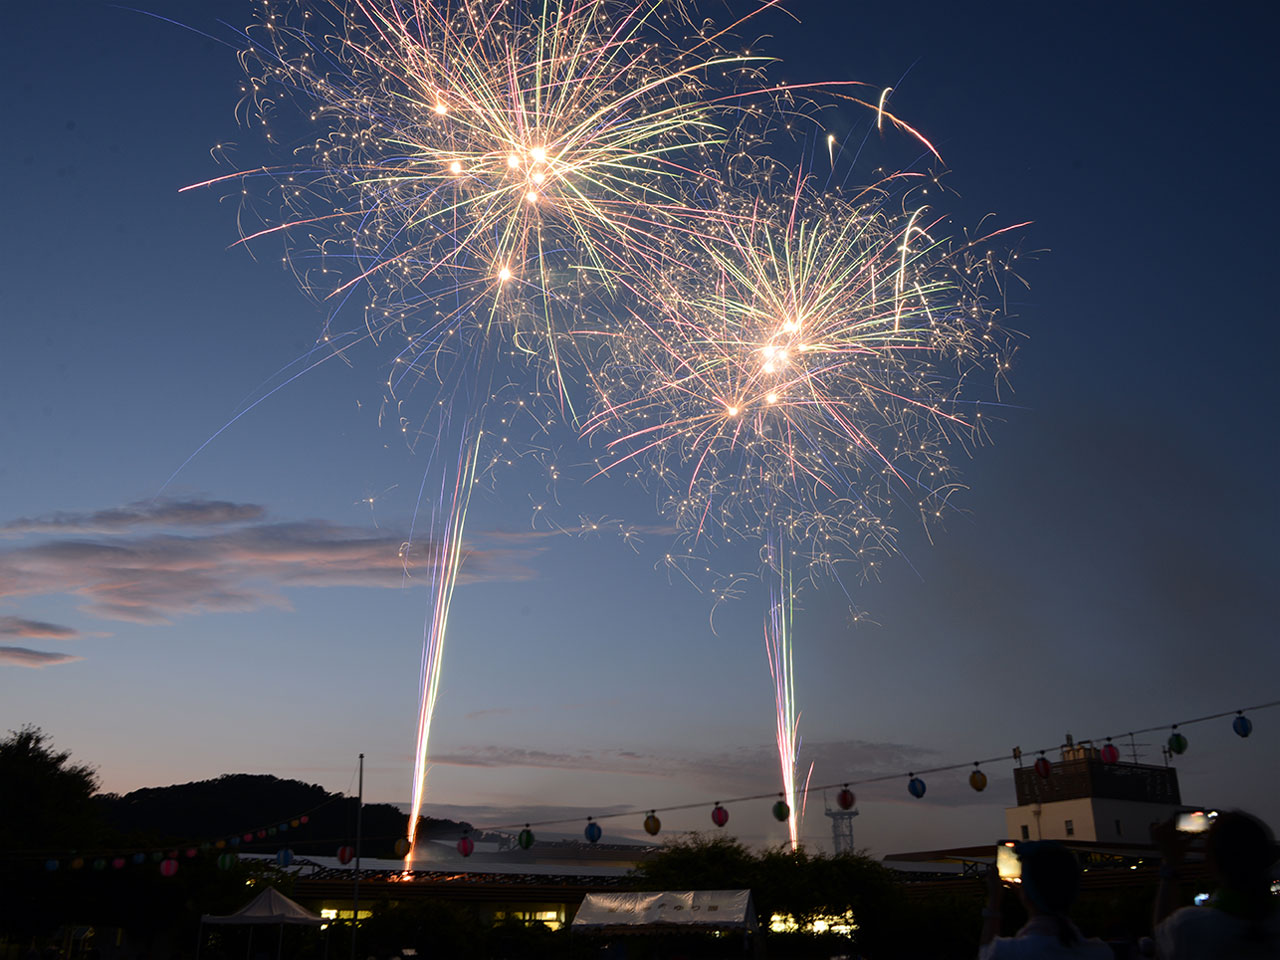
point(160, 576)
point(22, 657)
point(35, 629)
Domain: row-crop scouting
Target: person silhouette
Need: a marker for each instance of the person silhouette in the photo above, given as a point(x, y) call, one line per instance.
point(1049, 884)
point(1241, 920)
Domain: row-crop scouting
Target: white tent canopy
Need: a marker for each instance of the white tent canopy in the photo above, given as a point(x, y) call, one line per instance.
point(669, 910)
point(270, 906)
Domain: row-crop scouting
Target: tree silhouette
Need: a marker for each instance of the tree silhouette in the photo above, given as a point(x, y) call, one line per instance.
point(45, 799)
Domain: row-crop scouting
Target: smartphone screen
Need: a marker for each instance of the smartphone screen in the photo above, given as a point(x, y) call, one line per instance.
point(1195, 822)
point(1007, 863)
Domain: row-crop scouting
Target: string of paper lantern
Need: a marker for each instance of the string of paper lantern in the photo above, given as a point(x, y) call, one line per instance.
point(226, 846)
point(1177, 743)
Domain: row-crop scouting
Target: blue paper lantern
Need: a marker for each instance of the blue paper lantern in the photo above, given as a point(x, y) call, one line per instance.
point(1242, 725)
point(592, 832)
point(284, 857)
point(51, 865)
point(915, 787)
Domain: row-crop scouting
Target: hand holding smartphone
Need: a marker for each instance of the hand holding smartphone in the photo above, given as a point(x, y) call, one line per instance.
point(1196, 821)
point(1007, 863)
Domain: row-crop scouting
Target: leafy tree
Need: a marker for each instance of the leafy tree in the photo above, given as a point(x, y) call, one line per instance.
point(806, 887)
point(699, 862)
point(44, 798)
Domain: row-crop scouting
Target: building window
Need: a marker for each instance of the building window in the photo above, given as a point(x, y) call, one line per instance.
point(1026, 833)
point(1119, 832)
point(1071, 828)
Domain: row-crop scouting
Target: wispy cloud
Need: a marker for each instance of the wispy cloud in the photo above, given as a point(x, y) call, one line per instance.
point(35, 629)
point(738, 770)
point(241, 564)
point(22, 657)
point(164, 513)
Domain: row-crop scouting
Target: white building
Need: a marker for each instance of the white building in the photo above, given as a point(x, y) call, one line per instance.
point(1084, 799)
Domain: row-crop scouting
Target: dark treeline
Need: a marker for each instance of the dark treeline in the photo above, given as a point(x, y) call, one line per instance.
point(239, 803)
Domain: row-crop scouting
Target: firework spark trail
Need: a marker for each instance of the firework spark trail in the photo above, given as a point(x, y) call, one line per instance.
point(450, 515)
point(777, 643)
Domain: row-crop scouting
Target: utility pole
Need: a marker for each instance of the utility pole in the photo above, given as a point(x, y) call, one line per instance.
point(355, 895)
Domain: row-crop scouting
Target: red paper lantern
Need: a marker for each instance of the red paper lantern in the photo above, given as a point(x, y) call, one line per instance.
point(191, 852)
point(168, 867)
point(1043, 767)
point(719, 815)
point(262, 834)
point(845, 798)
point(117, 863)
point(304, 819)
point(652, 824)
point(248, 838)
point(1109, 753)
point(346, 855)
point(466, 846)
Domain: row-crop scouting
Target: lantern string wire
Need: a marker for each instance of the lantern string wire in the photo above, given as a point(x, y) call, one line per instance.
point(1016, 753)
point(882, 778)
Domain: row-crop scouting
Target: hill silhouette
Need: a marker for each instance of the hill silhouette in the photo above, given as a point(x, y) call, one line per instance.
point(235, 804)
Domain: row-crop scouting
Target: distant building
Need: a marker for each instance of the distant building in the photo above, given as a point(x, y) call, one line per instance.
point(1085, 800)
point(1102, 811)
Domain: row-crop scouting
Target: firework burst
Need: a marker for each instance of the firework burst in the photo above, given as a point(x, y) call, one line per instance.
point(802, 372)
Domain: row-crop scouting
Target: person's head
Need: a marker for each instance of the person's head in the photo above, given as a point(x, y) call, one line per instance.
point(1050, 877)
point(1241, 850)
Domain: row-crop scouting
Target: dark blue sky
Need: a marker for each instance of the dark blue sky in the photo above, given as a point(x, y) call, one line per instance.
point(1113, 567)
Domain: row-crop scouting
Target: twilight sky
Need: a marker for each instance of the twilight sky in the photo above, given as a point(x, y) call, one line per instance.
point(1109, 570)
